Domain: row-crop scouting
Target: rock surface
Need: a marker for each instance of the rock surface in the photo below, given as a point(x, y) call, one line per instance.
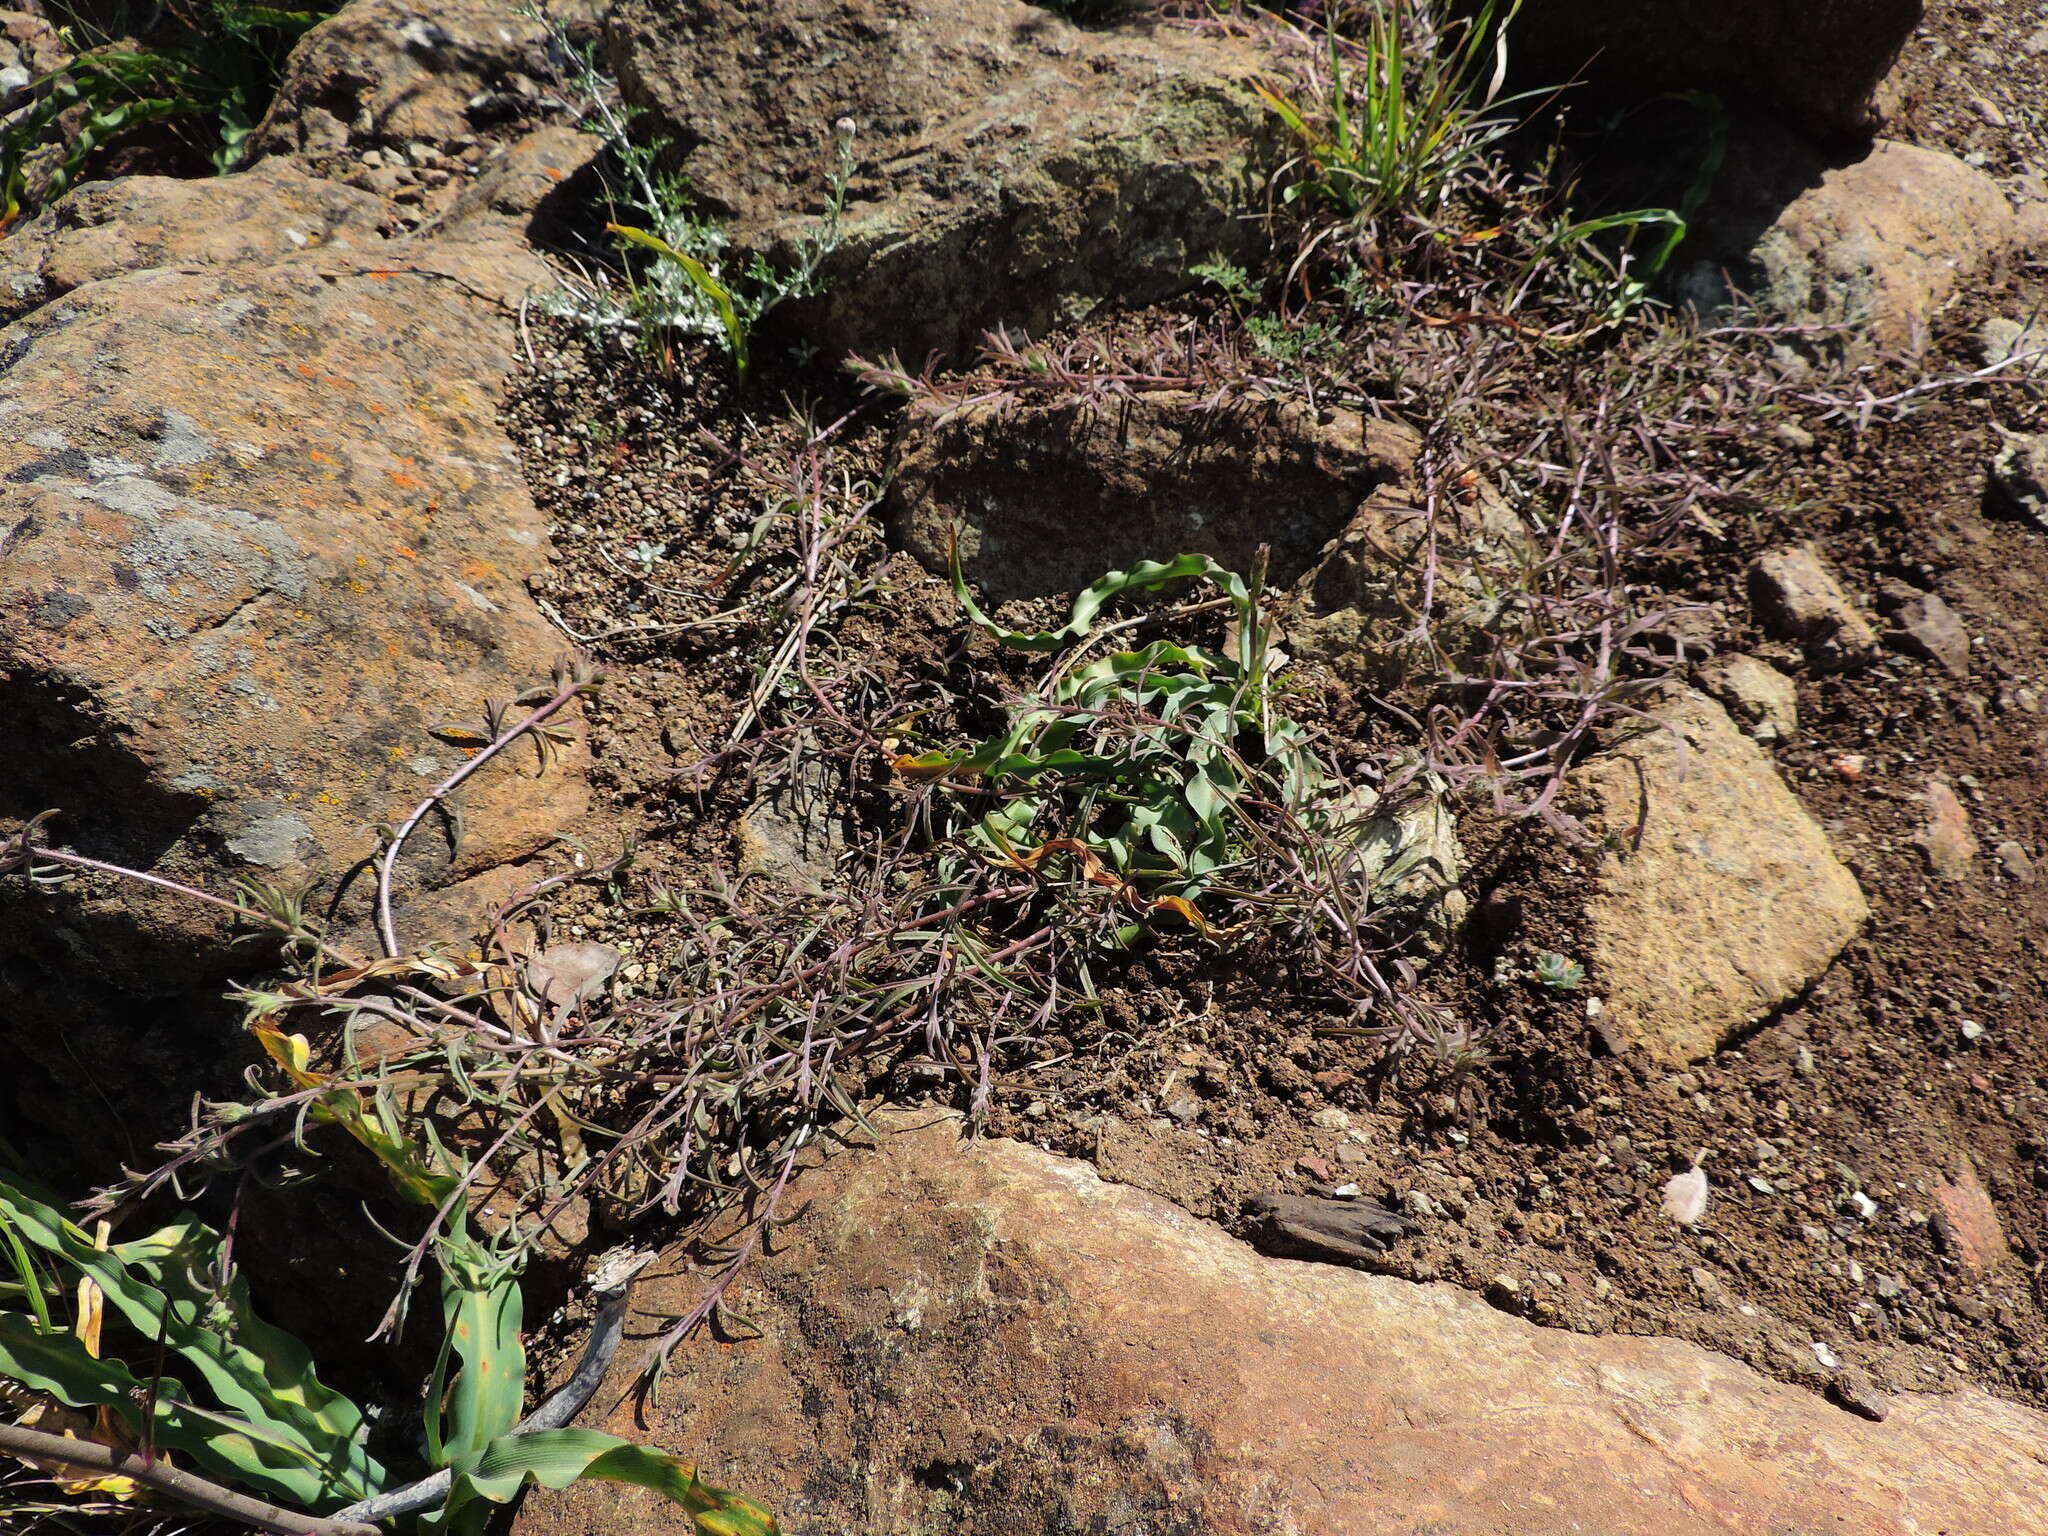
point(1946, 839)
point(262, 537)
point(141, 223)
point(1818, 64)
point(1923, 625)
point(1797, 598)
point(396, 72)
point(989, 1341)
point(1014, 169)
point(1967, 1221)
point(1877, 244)
point(2019, 477)
point(1044, 500)
point(1360, 611)
point(1727, 901)
point(2000, 340)
point(1763, 700)
point(267, 537)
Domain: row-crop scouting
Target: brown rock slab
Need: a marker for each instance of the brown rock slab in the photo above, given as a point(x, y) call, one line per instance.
point(1040, 500)
point(535, 184)
point(1818, 65)
point(1723, 900)
point(403, 71)
point(1877, 244)
point(988, 1341)
point(1014, 169)
point(1946, 840)
point(265, 538)
point(1798, 598)
point(140, 223)
point(1967, 1220)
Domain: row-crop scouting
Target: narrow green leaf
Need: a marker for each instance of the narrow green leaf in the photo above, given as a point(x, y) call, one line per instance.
point(698, 273)
point(261, 1375)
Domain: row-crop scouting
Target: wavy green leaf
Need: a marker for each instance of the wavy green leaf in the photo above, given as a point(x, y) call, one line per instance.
point(555, 1458)
point(299, 1430)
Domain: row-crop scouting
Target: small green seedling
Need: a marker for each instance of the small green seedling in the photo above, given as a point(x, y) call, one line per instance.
point(1558, 973)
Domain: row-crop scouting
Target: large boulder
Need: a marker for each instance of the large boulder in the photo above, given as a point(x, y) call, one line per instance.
point(1817, 62)
point(989, 1341)
point(1719, 898)
point(263, 538)
point(1014, 169)
point(1876, 243)
point(399, 72)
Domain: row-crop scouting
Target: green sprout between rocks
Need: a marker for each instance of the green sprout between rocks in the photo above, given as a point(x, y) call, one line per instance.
point(219, 62)
point(692, 288)
point(1142, 765)
point(1558, 973)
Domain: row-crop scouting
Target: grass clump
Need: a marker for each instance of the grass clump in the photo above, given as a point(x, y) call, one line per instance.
point(1399, 108)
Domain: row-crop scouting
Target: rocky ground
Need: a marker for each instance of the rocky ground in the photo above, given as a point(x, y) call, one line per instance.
point(1808, 909)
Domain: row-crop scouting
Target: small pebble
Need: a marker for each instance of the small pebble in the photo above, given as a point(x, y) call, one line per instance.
point(1825, 1355)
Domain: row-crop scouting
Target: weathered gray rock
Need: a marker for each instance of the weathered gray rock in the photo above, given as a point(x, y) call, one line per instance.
point(2000, 340)
point(1721, 898)
point(263, 538)
point(2019, 477)
point(1876, 245)
point(1817, 64)
point(795, 835)
point(266, 536)
point(1041, 500)
point(987, 1341)
point(1014, 169)
point(1797, 598)
point(1361, 610)
point(1763, 700)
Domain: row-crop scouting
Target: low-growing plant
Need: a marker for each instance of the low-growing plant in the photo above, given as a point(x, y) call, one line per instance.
point(1558, 973)
point(1144, 766)
point(216, 61)
point(691, 287)
point(254, 1415)
point(1399, 109)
